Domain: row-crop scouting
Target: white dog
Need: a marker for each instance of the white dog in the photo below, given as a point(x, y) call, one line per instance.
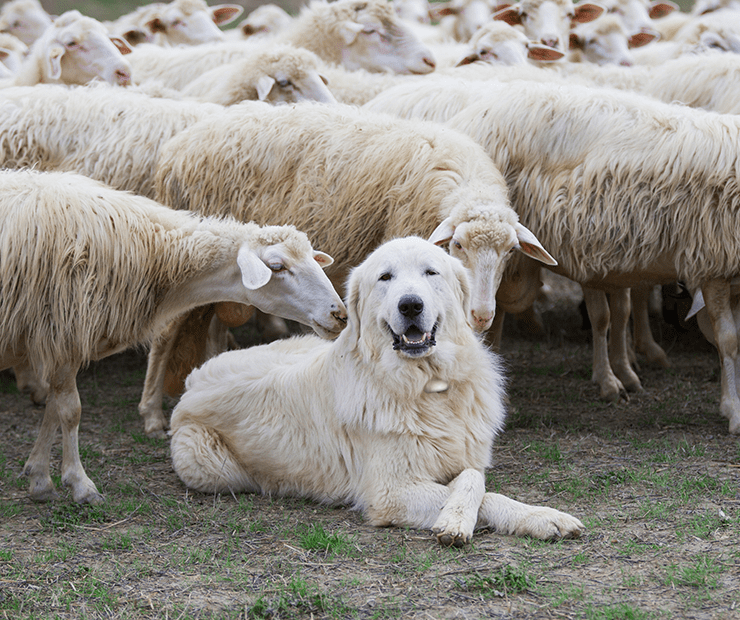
point(396, 417)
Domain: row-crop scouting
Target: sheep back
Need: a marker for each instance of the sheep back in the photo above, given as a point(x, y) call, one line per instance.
point(348, 178)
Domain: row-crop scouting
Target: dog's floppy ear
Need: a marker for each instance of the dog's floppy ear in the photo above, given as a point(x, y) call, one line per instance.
point(462, 290)
point(353, 303)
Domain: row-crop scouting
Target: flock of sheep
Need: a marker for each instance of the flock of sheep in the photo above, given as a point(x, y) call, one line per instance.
point(598, 139)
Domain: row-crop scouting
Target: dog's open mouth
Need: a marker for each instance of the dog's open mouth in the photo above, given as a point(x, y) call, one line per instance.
point(414, 341)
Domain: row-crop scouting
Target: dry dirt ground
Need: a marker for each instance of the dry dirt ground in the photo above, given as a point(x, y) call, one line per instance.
point(654, 479)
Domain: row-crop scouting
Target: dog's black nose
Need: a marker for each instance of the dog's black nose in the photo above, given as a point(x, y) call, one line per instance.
point(410, 306)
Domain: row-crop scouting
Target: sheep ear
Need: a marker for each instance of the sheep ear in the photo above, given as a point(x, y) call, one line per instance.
point(54, 61)
point(4, 53)
point(510, 15)
point(223, 14)
point(443, 233)
point(121, 45)
point(264, 86)
point(587, 12)
point(543, 53)
point(255, 274)
point(349, 31)
point(468, 59)
point(662, 8)
point(322, 259)
point(529, 245)
point(155, 25)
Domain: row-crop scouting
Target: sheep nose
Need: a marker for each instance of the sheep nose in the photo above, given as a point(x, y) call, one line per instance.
point(340, 315)
point(481, 322)
point(430, 62)
point(123, 77)
point(550, 42)
point(410, 306)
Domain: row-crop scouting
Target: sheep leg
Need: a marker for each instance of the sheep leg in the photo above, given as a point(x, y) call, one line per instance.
point(644, 341)
point(150, 405)
point(717, 299)
point(509, 516)
point(37, 467)
point(62, 408)
point(65, 400)
point(27, 380)
point(619, 305)
point(598, 313)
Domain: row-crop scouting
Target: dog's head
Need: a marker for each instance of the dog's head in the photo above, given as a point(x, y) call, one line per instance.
point(405, 295)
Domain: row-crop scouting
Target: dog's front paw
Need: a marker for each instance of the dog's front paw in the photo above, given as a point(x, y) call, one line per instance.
point(453, 529)
point(550, 524)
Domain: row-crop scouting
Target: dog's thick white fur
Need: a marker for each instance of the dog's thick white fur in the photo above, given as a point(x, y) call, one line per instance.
point(349, 421)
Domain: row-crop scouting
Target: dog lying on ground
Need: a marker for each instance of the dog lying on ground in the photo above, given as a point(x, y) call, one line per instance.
point(396, 417)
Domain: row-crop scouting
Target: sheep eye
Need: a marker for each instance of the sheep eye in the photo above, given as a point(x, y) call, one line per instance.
point(385, 277)
point(277, 267)
point(457, 245)
point(431, 272)
point(70, 44)
point(283, 83)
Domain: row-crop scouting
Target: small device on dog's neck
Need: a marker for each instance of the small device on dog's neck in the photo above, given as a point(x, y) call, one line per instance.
point(435, 386)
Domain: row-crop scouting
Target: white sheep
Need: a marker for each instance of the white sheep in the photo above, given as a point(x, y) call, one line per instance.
point(352, 179)
point(276, 74)
point(459, 19)
point(640, 17)
point(265, 20)
point(497, 42)
point(74, 49)
point(549, 21)
point(623, 189)
point(107, 133)
point(715, 31)
point(601, 41)
point(359, 34)
point(89, 271)
point(25, 19)
point(180, 22)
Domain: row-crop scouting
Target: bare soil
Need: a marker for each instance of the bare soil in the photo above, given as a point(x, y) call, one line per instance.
point(655, 480)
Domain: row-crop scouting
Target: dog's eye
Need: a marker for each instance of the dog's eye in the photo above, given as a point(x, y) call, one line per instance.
point(385, 276)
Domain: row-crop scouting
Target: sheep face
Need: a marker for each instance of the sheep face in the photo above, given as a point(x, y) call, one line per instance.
point(500, 44)
point(382, 43)
point(286, 281)
point(266, 19)
point(549, 21)
point(290, 87)
point(79, 50)
point(602, 42)
point(484, 246)
point(181, 26)
point(26, 20)
point(637, 16)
